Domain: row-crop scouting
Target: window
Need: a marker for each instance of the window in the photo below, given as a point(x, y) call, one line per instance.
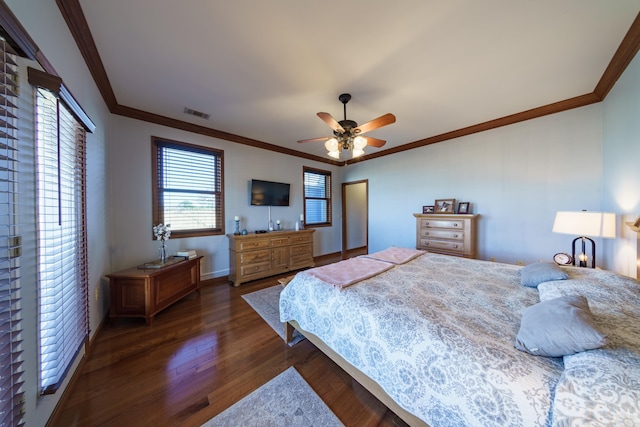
point(11, 374)
point(317, 197)
point(61, 237)
point(187, 188)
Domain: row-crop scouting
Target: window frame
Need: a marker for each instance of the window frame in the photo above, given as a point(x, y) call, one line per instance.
point(328, 200)
point(157, 143)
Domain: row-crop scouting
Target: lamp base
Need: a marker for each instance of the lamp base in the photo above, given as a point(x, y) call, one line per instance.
point(583, 255)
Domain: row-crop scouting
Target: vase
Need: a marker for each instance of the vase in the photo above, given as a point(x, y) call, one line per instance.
point(163, 253)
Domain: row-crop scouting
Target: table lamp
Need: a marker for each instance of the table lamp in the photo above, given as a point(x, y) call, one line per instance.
point(585, 225)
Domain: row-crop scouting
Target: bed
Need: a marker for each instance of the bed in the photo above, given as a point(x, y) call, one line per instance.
point(433, 338)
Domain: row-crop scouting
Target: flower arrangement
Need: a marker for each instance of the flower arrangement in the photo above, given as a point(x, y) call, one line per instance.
point(162, 232)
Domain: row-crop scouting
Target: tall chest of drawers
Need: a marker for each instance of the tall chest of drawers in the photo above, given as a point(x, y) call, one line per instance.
point(447, 234)
point(254, 256)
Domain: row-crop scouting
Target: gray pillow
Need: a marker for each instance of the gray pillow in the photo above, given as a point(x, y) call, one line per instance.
point(559, 327)
point(534, 274)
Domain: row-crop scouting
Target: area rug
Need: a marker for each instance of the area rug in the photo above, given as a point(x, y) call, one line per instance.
point(266, 302)
point(285, 401)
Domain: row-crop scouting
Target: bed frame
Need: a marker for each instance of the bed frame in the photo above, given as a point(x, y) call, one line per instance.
point(356, 374)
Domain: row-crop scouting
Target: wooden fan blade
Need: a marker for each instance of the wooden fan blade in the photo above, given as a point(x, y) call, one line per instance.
point(333, 123)
point(375, 142)
point(322, 138)
point(384, 120)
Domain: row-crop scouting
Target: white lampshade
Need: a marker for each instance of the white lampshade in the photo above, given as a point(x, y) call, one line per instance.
point(583, 223)
point(335, 154)
point(331, 144)
point(359, 142)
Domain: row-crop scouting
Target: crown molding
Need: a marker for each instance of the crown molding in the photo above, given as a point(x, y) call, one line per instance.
point(78, 26)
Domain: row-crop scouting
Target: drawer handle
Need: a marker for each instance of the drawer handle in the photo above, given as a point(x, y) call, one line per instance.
point(455, 235)
point(455, 246)
point(426, 244)
point(426, 233)
point(455, 225)
point(427, 223)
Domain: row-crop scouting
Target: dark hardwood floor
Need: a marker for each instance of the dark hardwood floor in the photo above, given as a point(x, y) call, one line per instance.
point(199, 357)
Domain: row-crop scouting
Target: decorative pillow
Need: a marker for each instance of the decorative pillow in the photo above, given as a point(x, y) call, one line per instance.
point(559, 327)
point(534, 274)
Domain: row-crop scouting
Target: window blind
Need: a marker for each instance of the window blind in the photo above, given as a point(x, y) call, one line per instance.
point(62, 243)
point(188, 188)
point(317, 197)
point(11, 370)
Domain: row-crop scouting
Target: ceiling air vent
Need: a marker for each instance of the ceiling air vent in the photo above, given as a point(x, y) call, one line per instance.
point(197, 113)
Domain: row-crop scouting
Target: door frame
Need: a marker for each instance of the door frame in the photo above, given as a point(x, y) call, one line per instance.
point(362, 250)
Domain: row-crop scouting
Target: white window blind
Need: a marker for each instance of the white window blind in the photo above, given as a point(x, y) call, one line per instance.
point(11, 370)
point(317, 197)
point(62, 245)
point(188, 188)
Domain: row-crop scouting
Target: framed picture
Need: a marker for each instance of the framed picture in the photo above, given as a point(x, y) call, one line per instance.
point(463, 208)
point(427, 209)
point(636, 223)
point(445, 206)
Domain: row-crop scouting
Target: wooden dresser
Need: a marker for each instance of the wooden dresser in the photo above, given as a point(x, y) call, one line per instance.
point(449, 234)
point(254, 256)
point(143, 292)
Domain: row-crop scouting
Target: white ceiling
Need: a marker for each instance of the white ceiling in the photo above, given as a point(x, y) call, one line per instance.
point(263, 69)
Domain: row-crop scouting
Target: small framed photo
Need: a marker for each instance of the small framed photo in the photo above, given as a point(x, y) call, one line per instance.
point(427, 209)
point(463, 208)
point(636, 223)
point(445, 206)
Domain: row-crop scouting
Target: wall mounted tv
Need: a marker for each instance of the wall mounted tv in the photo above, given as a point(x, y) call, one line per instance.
point(267, 193)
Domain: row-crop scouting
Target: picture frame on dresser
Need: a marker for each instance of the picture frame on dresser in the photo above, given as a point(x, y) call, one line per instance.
point(463, 208)
point(427, 209)
point(445, 206)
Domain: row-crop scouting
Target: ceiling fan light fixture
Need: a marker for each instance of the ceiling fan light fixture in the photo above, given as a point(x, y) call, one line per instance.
point(359, 142)
point(335, 154)
point(347, 133)
point(331, 144)
point(357, 152)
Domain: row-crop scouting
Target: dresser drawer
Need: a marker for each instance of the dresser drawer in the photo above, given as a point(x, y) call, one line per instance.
point(442, 223)
point(306, 238)
point(253, 244)
point(304, 259)
point(253, 257)
point(442, 244)
point(252, 269)
point(434, 233)
point(279, 241)
point(301, 249)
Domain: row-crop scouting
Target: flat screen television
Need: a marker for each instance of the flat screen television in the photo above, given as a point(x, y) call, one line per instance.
point(267, 193)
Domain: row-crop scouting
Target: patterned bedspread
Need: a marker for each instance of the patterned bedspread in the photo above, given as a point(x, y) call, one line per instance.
point(438, 335)
point(601, 387)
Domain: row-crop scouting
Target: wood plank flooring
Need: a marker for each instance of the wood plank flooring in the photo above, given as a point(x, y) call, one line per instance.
point(199, 357)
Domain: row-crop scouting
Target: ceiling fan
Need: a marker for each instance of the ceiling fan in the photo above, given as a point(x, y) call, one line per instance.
point(347, 135)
